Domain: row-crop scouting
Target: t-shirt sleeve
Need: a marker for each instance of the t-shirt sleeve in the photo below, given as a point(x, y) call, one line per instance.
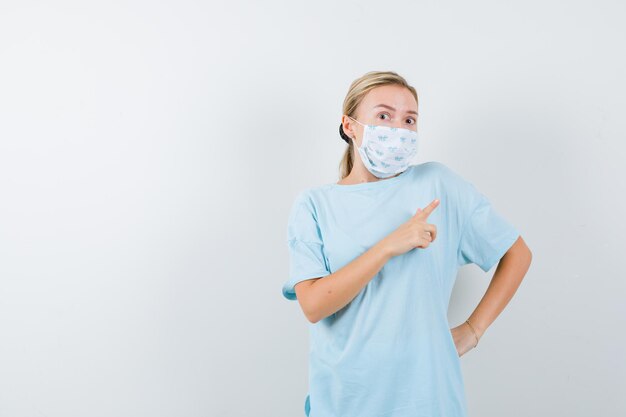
point(485, 234)
point(305, 245)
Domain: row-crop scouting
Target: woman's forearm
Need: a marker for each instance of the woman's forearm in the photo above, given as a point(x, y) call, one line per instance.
point(322, 297)
point(506, 279)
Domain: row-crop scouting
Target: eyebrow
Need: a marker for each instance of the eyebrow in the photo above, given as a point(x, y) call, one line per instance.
point(391, 108)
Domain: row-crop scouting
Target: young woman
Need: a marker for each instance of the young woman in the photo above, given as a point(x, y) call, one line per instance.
point(373, 260)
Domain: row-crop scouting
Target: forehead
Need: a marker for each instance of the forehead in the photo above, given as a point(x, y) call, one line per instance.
point(395, 96)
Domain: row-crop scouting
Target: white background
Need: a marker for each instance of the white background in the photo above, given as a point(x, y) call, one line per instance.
point(150, 152)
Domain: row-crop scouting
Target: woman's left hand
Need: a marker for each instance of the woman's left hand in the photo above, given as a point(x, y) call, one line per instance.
point(464, 338)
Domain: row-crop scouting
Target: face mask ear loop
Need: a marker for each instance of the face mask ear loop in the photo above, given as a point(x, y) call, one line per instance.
point(356, 120)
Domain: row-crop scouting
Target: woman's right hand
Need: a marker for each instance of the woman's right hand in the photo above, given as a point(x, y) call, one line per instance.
point(414, 233)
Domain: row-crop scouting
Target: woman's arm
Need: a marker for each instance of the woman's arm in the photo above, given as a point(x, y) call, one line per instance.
point(321, 297)
point(506, 279)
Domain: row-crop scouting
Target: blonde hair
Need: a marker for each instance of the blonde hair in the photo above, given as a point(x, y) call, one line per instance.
point(357, 91)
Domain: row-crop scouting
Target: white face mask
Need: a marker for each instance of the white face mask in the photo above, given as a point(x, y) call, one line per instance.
point(386, 151)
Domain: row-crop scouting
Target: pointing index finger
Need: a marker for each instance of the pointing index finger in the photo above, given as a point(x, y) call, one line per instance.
point(429, 209)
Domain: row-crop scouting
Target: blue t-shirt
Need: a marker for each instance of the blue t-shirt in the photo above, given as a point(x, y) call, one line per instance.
point(389, 352)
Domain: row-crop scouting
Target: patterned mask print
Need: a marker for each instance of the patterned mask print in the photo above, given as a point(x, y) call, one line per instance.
point(385, 150)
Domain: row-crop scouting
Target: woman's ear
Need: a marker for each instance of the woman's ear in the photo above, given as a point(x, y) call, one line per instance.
point(346, 123)
point(343, 135)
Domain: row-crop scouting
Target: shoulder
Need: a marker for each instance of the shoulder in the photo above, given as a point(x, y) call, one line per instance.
point(302, 223)
point(312, 197)
point(307, 196)
point(304, 203)
point(302, 200)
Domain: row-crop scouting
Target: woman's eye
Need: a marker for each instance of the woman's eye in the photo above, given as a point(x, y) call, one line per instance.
point(383, 114)
point(411, 121)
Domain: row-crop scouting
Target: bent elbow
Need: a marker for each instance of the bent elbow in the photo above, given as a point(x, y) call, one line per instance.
point(307, 301)
point(310, 313)
point(309, 309)
point(313, 319)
